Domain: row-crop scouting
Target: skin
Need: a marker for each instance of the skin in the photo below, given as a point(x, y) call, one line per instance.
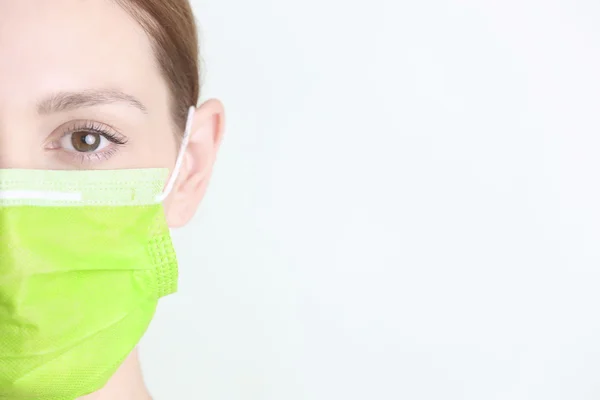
point(54, 48)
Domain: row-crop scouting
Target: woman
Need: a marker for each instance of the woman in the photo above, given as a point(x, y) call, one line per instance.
point(97, 105)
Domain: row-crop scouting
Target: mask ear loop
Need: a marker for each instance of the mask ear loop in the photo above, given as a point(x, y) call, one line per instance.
point(184, 143)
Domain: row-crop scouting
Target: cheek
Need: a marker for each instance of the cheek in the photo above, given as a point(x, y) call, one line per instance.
point(172, 213)
point(174, 204)
point(161, 148)
point(149, 148)
point(167, 204)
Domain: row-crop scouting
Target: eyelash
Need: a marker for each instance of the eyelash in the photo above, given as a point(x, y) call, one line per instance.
point(98, 128)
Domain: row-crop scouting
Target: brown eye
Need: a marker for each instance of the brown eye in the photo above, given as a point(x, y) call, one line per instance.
point(85, 142)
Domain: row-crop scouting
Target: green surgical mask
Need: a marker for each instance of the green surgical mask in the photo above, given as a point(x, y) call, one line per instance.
point(84, 258)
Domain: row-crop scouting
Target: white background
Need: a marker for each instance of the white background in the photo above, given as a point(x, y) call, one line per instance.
point(406, 205)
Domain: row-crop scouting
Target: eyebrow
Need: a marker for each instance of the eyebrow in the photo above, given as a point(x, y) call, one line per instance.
point(67, 101)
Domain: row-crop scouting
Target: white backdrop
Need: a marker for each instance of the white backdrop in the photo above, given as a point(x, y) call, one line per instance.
point(406, 205)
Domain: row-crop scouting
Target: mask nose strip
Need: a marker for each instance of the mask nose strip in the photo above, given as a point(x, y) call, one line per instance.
point(36, 195)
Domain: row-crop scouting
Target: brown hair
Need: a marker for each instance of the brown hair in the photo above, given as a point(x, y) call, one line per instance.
point(171, 26)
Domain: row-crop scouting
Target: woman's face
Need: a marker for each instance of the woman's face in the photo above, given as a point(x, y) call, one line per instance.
point(80, 88)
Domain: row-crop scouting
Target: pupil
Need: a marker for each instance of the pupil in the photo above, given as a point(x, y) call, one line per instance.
point(85, 141)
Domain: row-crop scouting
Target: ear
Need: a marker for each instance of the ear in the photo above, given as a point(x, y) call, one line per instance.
point(198, 161)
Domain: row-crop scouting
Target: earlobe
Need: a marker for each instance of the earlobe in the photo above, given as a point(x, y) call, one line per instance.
point(205, 138)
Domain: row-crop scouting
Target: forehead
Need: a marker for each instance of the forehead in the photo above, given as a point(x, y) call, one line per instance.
point(49, 46)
